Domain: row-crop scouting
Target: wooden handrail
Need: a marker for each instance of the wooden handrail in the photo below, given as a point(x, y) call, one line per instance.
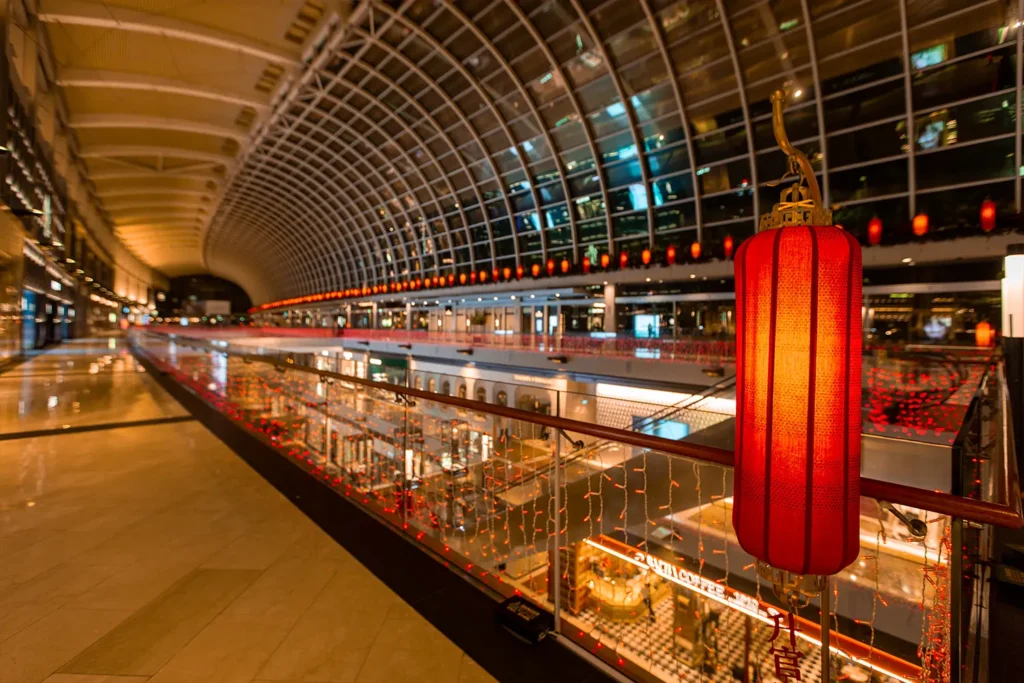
point(982, 512)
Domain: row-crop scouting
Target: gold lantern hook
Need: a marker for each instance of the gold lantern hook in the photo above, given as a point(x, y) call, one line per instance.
point(800, 203)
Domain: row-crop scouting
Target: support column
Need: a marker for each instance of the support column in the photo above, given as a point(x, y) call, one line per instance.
point(1013, 336)
point(610, 317)
point(408, 316)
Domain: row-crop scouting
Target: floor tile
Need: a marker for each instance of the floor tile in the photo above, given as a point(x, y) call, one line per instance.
point(229, 650)
point(151, 636)
point(35, 652)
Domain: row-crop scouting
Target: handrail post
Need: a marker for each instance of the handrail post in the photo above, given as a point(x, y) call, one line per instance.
point(556, 561)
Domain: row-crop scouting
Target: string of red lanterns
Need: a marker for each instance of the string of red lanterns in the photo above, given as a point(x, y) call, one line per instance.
point(920, 226)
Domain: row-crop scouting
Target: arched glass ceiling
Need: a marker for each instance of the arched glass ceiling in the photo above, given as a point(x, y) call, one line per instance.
point(438, 136)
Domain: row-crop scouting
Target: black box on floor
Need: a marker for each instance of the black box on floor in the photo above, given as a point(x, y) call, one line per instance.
point(524, 620)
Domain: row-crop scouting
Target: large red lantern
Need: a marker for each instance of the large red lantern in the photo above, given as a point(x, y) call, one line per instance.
point(605, 260)
point(645, 257)
point(623, 259)
point(727, 245)
point(695, 251)
point(565, 266)
point(670, 255)
point(984, 334)
point(920, 224)
point(875, 231)
point(798, 420)
point(988, 215)
point(551, 266)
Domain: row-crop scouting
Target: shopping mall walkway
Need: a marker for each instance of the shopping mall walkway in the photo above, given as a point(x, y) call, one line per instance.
point(137, 547)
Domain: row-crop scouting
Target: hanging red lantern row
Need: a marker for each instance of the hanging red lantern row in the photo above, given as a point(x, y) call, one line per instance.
point(645, 257)
point(875, 231)
point(798, 325)
point(623, 259)
point(695, 251)
point(670, 255)
point(988, 215)
point(727, 245)
point(920, 224)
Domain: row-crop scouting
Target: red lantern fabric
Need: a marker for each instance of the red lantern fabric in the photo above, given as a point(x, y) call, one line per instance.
point(695, 251)
point(984, 334)
point(875, 231)
point(798, 420)
point(920, 224)
point(670, 255)
point(727, 245)
point(988, 215)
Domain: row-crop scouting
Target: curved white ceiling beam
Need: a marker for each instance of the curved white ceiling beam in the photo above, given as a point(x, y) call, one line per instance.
point(103, 151)
point(96, 78)
point(83, 121)
point(155, 204)
point(77, 13)
point(157, 191)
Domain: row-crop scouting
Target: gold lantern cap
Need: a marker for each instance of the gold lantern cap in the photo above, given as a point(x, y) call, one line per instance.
point(800, 203)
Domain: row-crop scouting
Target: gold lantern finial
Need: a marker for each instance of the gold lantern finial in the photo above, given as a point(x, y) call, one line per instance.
point(800, 203)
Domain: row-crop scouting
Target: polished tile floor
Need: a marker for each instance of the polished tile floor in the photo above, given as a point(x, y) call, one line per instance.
point(152, 553)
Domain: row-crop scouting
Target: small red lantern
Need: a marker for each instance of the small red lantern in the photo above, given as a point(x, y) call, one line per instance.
point(875, 231)
point(472, 278)
point(670, 255)
point(920, 224)
point(988, 215)
point(427, 283)
point(494, 274)
point(506, 273)
point(419, 283)
point(727, 247)
point(605, 261)
point(798, 420)
point(623, 259)
point(519, 272)
point(483, 276)
point(695, 251)
point(437, 281)
point(551, 266)
point(535, 270)
point(645, 257)
point(586, 264)
point(462, 278)
point(984, 334)
point(565, 266)
point(451, 279)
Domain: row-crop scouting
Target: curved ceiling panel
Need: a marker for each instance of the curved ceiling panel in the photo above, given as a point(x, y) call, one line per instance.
point(429, 137)
point(440, 136)
point(162, 95)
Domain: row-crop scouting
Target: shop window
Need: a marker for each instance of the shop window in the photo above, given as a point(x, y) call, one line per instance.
point(462, 391)
point(481, 394)
point(446, 388)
